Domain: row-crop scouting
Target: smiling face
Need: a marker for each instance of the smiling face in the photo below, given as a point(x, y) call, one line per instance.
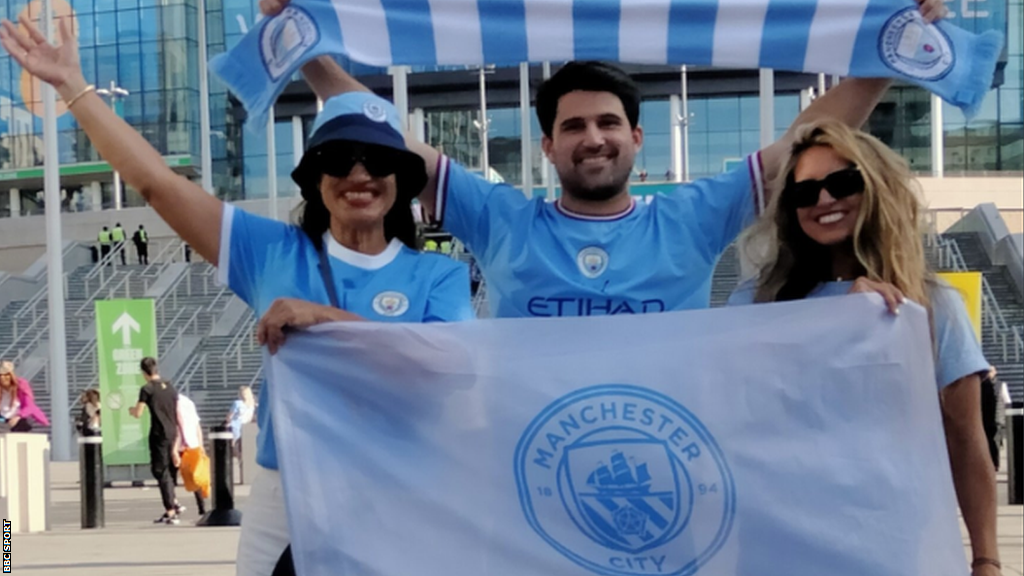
point(359, 200)
point(830, 221)
point(592, 145)
point(6, 381)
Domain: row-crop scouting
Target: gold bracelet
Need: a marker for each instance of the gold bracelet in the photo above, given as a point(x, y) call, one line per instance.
point(981, 560)
point(84, 91)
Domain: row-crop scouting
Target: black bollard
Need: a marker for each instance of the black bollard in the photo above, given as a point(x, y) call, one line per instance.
point(1014, 456)
point(90, 465)
point(222, 480)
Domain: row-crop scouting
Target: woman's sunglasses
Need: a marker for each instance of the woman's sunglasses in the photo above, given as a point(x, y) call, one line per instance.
point(338, 161)
point(840, 184)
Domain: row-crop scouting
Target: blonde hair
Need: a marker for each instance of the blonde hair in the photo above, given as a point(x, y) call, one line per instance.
point(245, 394)
point(886, 238)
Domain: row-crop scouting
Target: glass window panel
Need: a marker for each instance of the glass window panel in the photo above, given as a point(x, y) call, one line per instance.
point(105, 35)
point(192, 23)
point(787, 107)
point(149, 25)
point(655, 117)
point(104, 5)
point(1011, 105)
point(87, 55)
point(952, 117)
point(150, 66)
point(750, 141)
point(698, 115)
point(86, 29)
point(723, 114)
point(128, 25)
point(106, 65)
point(989, 110)
point(130, 66)
point(1014, 66)
point(750, 113)
point(127, 4)
point(1011, 143)
point(172, 23)
point(1014, 19)
point(79, 6)
point(152, 106)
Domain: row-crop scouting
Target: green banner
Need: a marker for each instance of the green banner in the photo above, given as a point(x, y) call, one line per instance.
point(125, 334)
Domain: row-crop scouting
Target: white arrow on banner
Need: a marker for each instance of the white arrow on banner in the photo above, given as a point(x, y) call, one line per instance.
point(125, 324)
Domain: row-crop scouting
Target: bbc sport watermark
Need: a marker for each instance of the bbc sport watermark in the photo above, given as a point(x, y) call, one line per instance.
point(7, 547)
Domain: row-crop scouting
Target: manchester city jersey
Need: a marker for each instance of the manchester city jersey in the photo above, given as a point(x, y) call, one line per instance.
point(262, 260)
point(541, 260)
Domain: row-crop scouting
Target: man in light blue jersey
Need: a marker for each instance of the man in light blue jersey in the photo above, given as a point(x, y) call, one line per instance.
point(596, 250)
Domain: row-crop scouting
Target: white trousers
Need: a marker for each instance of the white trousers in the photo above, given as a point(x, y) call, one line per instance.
point(264, 526)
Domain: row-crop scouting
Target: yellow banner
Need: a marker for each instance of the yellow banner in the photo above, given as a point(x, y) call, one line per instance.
point(969, 286)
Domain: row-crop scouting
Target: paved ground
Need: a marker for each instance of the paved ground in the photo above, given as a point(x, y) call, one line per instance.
point(131, 545)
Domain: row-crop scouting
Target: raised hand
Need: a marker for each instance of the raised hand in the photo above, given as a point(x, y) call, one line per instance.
point(55, 65)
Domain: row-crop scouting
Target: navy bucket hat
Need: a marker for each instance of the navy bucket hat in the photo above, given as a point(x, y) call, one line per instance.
point(359, 118)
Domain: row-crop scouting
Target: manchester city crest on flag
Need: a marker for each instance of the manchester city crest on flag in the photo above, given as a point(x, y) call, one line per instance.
point(285, 38)
point(625, 481)
point(911, 46)
point(592, 261)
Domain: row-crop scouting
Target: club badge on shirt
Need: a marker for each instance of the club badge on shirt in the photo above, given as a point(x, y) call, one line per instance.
point(592, 261)
point(390, 303)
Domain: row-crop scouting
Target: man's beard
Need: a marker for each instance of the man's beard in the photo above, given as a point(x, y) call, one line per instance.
point(573, 186)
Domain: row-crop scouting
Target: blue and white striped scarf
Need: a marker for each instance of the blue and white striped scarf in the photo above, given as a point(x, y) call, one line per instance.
point(865, 38)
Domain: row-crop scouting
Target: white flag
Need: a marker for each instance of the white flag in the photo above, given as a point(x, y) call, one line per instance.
point(789, 439)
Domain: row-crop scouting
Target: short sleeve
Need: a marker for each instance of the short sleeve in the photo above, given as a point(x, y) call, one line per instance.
point(245, 241)
point(449, 299)
point(470, 207)
point(958, 351)
point(144, 394)
point(721, 207)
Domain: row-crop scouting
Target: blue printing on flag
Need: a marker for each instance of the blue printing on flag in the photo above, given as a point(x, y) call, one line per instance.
point(595, 28)
point(865, 48)
point(691, 31)
point(503, 30)
point(411, 32)
point(787, 27)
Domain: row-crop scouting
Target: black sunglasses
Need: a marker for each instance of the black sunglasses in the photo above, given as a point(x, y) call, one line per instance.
point(338, 160)
point(840, 184)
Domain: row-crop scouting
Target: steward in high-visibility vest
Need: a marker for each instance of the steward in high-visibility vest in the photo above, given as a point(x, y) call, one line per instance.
point(104, 240)
point(117, 235)
point(141, 240)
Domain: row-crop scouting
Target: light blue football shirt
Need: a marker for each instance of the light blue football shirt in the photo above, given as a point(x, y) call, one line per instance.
point(541, 260)
point(958, 353)
point(262, 260)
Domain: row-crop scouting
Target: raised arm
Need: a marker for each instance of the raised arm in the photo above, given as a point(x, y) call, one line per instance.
point(851, 102)
point(187, 208)
point(327, 79)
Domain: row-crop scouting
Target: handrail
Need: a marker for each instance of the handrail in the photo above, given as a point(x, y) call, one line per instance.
point(190, 371)
point(159, 259)
point(1008, 337)
point(16, 344)
point(256, 377)
point(31, 304)
point(100, 269)
point(92, 296)
point(181, 331)
point(160, 304)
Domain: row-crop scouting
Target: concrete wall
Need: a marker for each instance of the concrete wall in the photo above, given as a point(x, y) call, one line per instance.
point(953, 198)
point(23, 240)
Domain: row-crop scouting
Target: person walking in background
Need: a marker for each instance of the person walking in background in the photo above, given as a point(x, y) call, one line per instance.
point(162, 400)
point(989, 414)
point(88, 423)
point(189, 438)
point(17, 402)
point(117, 236)
point(104, 240)
point(141, 241)
point(242, 411)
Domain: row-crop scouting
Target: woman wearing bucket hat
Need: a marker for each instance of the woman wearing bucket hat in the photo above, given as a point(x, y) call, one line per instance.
point(352, 255)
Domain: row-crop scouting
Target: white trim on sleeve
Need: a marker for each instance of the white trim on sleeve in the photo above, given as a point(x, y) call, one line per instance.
point(224, 255)
point(441, 194)
point(754, 162)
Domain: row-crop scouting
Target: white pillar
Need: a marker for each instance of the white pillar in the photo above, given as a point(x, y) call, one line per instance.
point(485, 161)
point(57, 371)
point(685, 122)
point(96, 195)
point(15, 203)
point(767, 99)
point(676, 140)
point(938, 139)
point(419, 125)
point(118, 191)
point(549, 169)
point(821, 85)
point(525, 139)
point(400, 93)
point(806, 97)
point(205, 153)
point(271, 166)
point(297, 145)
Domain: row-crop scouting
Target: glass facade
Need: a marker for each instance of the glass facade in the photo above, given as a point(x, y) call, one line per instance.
point(151, 49)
